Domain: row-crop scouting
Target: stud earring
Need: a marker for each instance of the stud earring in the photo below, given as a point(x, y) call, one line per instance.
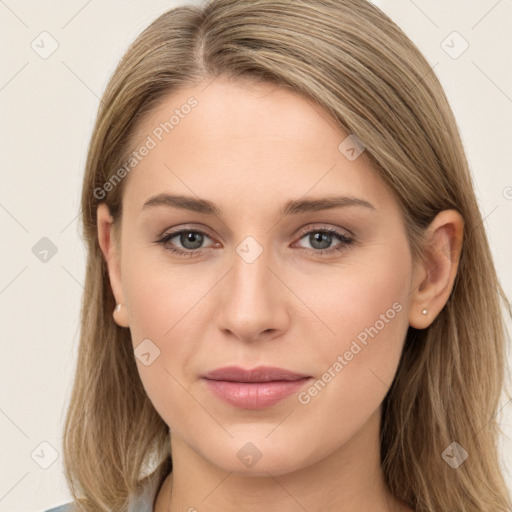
point(117, 308)
point(425, 312)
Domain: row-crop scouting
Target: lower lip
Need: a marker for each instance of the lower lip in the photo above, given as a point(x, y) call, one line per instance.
point(255, 395)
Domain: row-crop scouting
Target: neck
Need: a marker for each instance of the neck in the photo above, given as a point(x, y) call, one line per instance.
point(348, 480)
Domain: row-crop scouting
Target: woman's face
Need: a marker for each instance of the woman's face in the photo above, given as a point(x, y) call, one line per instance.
point(262, 282)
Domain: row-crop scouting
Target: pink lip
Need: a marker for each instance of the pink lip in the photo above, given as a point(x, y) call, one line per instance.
point(253, 389)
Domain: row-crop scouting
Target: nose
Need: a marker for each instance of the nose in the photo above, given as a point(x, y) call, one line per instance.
point(253, 302)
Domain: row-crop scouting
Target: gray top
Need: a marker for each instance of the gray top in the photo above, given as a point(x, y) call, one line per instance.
point(142, 502)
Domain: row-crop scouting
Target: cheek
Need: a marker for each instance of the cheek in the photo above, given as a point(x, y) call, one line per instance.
point(165, 305)
point(158, 295)
point(366, 306)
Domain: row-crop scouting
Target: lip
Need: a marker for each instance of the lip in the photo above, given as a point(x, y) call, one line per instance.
point(257, 388)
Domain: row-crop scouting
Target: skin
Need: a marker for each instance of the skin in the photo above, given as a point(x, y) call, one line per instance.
point(249, 149)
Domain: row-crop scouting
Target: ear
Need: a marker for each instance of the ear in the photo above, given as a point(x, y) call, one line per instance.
point(110, 250)
point(433, 277)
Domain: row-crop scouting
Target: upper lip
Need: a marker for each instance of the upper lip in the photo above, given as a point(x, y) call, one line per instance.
point(259, 374)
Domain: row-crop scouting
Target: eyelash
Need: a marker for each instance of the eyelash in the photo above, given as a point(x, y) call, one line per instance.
point(342, 237)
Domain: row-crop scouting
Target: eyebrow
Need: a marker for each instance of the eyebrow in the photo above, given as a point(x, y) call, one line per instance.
point(292, 207)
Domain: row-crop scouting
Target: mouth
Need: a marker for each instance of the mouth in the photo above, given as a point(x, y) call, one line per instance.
point(258, 388)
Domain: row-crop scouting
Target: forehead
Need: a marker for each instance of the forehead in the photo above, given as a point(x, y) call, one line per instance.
point(242, 141)
point(224, 106)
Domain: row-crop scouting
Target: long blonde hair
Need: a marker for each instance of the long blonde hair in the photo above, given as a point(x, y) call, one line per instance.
point(355, 62)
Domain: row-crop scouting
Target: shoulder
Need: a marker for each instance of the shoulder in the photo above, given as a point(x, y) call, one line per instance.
point(67, 507)
point(140, 502)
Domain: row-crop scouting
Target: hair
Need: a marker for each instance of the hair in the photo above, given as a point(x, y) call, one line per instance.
point(359, 66)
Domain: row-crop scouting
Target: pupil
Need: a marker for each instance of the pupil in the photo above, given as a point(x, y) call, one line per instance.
point(196, 240)
point(326, 237)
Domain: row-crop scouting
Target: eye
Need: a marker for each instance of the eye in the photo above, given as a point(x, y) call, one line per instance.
point(321, 239)
point(191, 240)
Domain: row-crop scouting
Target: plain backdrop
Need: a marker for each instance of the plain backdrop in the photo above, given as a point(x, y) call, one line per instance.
point(48, 104)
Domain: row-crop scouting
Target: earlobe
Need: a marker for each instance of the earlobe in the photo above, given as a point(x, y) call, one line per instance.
point(435, 275)
point(112, 258)
point(120, 315)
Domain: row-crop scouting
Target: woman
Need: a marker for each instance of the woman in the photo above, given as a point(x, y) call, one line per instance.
point(289, 286)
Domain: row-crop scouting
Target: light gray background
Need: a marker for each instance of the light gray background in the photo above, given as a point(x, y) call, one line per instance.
point(47, 110)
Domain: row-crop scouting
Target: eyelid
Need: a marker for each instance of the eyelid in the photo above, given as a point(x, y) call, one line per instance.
point(184, 227)
point(319, 226)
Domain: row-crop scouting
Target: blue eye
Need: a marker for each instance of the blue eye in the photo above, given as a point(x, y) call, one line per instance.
point(192, 240)
point(185, 238)
point(326, 238)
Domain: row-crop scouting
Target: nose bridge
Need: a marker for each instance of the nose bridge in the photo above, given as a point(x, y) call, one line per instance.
point(251, 268)
point(252, 301)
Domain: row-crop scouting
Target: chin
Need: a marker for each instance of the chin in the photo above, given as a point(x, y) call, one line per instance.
point(259, 457)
